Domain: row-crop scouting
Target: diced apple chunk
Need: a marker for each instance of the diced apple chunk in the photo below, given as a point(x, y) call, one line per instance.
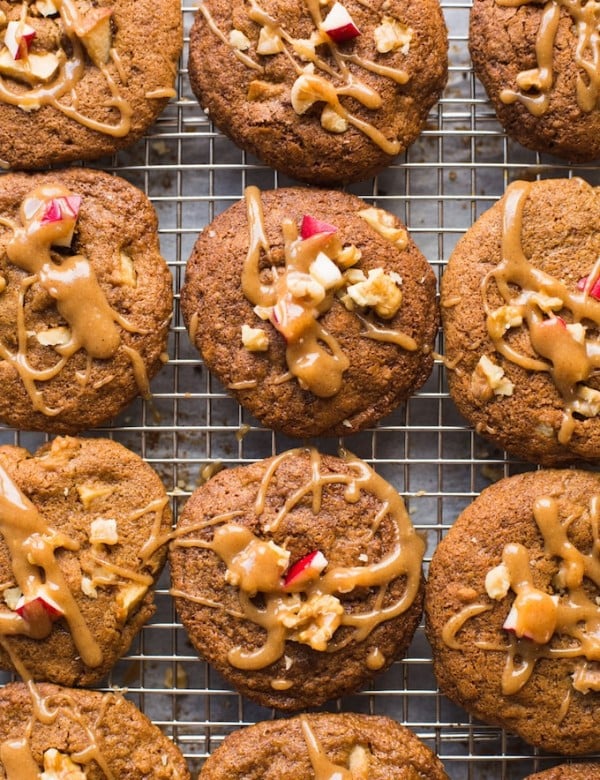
point(17, 39)
point(33, 70)
point(95, 34)
point(339, 25)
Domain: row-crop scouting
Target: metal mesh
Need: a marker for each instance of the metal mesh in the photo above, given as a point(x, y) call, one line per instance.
point(460, 165)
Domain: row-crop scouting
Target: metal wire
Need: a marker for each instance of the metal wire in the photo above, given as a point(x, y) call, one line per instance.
point(460, 165)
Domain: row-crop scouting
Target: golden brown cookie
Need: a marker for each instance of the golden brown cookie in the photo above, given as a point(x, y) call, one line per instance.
point(86, 299)
point(324, 745)
point(297, 577)
point(82, 524)
point(512, 609)
point(317, 311)
point(79, 80)
point(569, 772)
point(324, 92)
point(541, 73)
point(50, 731)
point(521, 315)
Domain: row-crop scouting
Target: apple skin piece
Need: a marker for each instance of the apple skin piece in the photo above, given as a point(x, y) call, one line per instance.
point(39, 613)
point(18, 38)
point(310, 226)
point(594, 292)
point(339, 25)
point(305, 570)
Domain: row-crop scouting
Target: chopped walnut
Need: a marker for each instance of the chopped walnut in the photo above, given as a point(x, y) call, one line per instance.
point(497, 582)
point(258, 567)
point(305, 287)
point(269, 42)
point(60, 766)
point(314, 621)
point(385, 224)
point(504, 318)
point(379, 291)
point(255, 339)
point(391, 35)
point(348, 256)
point(332, 121)
point(238, 40)
point(488, 380)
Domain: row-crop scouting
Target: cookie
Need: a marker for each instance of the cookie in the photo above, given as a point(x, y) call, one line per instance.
point(319, 102)
point(512, 609)
point(540, 72)
point(316, 311)
point(297, 577)
point(50, 731)
point(86, 299)
point(323, 745)
point(78, 81)
point(569, 772)
point(521, 312)
point(82, 524)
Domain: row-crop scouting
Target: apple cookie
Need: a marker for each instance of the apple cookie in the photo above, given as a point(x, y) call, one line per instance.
point(78, 80)
point(569, 772)
point(83, 525)
point(297, 577)
point(47, 731)
point(343, 745)
point(512, 609)
point(521, 315)
point(539, 66)
point(324, 92)
point(86, 299)
point(316, 311)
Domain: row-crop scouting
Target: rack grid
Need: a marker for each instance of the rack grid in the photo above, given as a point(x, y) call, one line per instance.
point(457, 169)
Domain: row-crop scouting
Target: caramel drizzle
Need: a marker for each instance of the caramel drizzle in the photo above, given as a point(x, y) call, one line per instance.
point(314, 357)
point(568, 613)
point(569, 361)
point(323, 88)
point(80, 300)
point(250, 564)
point(323, 768)
point(533, 86)
point(70, 73)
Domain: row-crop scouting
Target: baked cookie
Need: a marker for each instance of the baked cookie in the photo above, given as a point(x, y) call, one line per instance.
point(315, 310)
point(324, 92)
point(512, 609)
point(52, 732)
point(78, 80)
point(86, 299)
point(345, 745)
point(569, 772)
point(538, 64)
point(521, 314)
point(297, 577)
point(82, 541)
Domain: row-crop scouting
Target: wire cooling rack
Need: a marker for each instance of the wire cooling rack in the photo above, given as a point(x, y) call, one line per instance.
point(460, 166)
